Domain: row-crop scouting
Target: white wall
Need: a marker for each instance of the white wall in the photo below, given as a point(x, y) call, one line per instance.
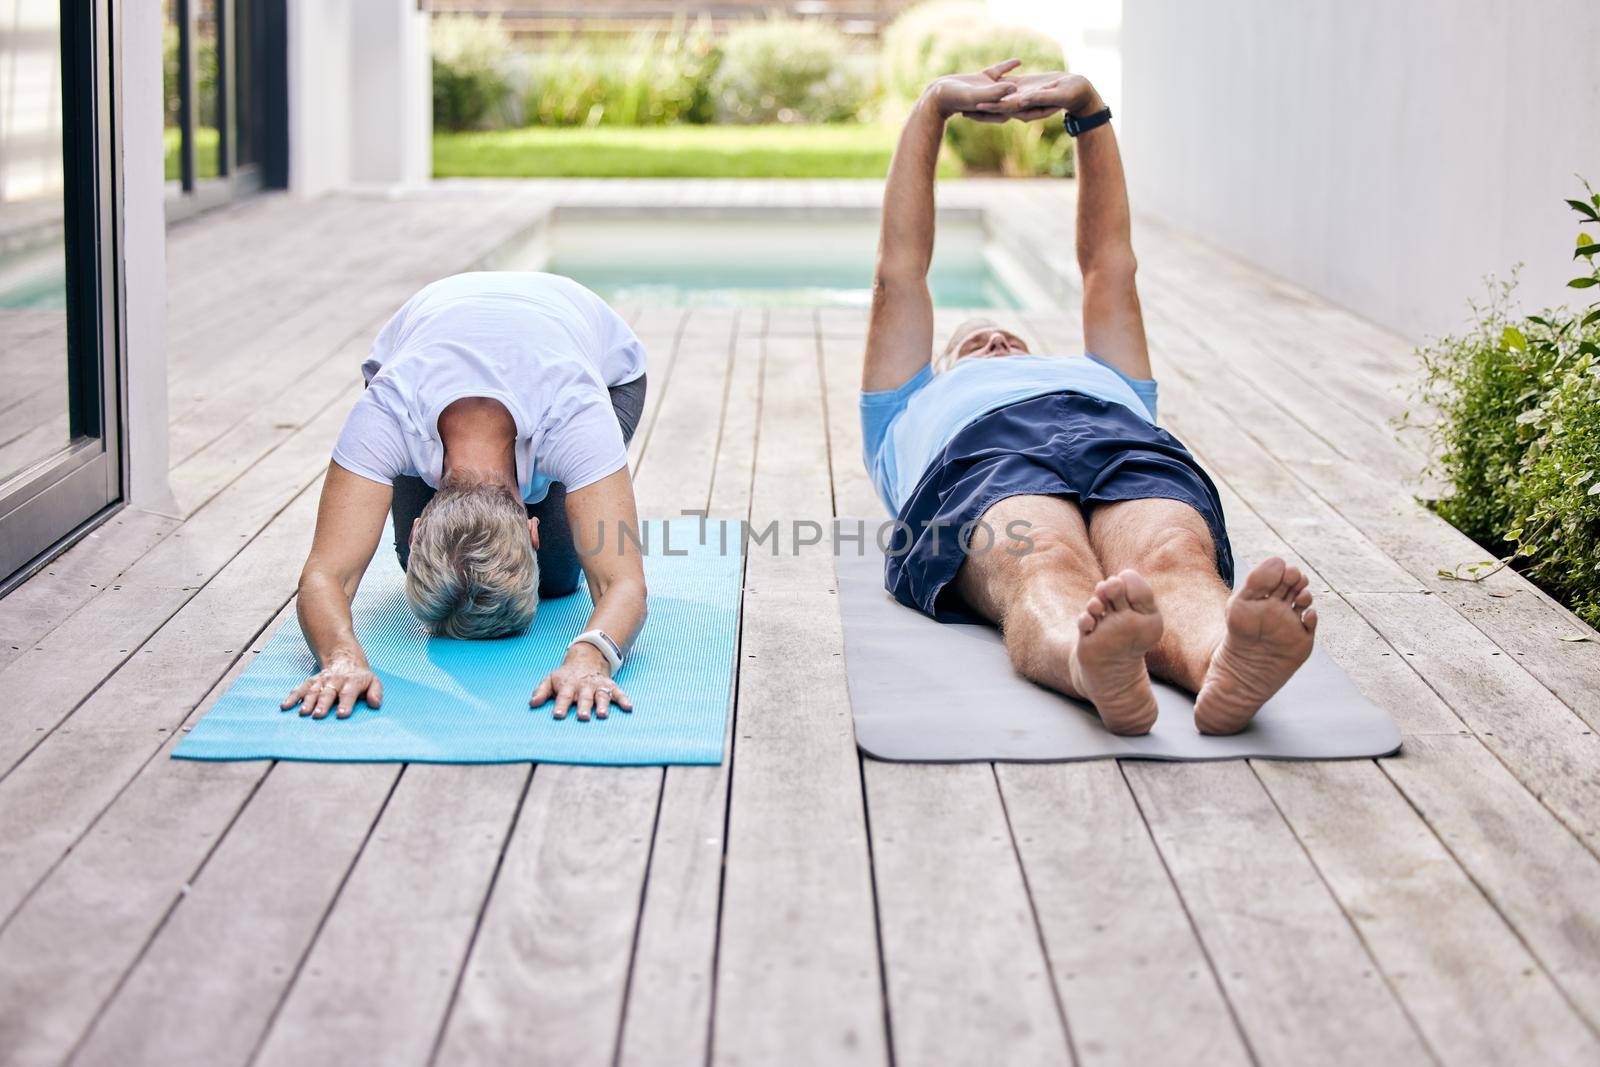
point(391, 94)
point(360, 94)
point(1385, 153)
point(144, 252)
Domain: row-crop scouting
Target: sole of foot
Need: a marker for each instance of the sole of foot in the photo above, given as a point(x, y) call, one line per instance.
point(1271, 627)
point(1119, 624)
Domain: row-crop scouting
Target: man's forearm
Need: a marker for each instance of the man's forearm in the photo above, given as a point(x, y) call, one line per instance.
point(1105, 237)
point(905, 248)
point(324, 611)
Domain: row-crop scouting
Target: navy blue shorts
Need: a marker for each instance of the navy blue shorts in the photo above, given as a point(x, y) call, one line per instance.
point(1064, 444)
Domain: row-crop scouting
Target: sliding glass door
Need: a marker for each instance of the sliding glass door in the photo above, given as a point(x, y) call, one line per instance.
point(60, 425)
point(226, 127)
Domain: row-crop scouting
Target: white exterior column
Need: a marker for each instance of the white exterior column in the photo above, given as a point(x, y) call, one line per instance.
point(392, 94)
point(144, 252)
point(360, 95)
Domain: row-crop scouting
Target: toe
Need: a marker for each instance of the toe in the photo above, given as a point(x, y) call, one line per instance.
point(1140, 596)
point(1086, 623)
point(1095, 608)
point(1260, 583)
point(1302, 600)
point(1113, 592)
point(1309, 620)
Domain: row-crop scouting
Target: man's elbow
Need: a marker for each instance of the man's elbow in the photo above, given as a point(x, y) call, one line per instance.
point(894, 281)
point(1108, 268)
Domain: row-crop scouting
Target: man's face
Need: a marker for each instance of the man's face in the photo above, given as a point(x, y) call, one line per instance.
point(988, 341)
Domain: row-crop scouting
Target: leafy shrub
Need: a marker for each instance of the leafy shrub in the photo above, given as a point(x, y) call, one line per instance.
point(952, 36)
point(1518, 433)
point(789, 70)
point(471, 57)
point(650, 79)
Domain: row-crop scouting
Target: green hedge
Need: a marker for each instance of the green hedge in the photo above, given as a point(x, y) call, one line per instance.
point(1518, 433)
point(789, 70)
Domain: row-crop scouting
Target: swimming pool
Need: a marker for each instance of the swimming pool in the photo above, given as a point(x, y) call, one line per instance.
point(756, 260)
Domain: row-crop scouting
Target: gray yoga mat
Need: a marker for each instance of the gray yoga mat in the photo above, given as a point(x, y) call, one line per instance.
point(931, 692)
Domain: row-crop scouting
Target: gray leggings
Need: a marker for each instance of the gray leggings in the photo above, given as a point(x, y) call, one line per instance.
point(559, 569)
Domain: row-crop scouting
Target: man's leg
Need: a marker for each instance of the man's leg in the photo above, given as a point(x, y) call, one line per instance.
point(411, 495)
point(1233, 648)
point(1066, 625)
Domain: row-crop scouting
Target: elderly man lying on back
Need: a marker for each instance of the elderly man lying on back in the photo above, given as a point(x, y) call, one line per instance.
point(1124, 569)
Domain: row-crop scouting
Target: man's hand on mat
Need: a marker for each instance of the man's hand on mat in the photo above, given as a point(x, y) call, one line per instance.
point(971, 94)
point(581, 682)
point(341, 683)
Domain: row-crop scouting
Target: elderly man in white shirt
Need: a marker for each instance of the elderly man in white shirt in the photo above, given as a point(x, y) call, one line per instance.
point(494, 426)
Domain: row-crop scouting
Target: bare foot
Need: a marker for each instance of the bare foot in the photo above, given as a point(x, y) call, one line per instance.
point(1271, 624)
point(1118, 626)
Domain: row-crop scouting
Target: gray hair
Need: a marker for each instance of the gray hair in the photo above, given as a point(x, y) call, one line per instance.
point(473, 573)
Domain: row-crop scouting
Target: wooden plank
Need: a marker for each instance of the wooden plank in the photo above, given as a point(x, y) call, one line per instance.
point(1464, 976)
point(51, 596)
point(1540, 877)
point(547, 974)
point(1114, 927)
point(797, 970)
point(686, 425)
point(1550, 750)
point(658, 330)
point(63, 952)
point(64, 666)
point(967, 977)
point(1441, 760)
point(668, 1017)
point(384, 966)
point(221, 955)
point(1302, 984)
point(65, 784)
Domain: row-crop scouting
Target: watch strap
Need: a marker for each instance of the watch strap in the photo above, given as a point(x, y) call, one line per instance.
point(601, 642)
point(1081, 124)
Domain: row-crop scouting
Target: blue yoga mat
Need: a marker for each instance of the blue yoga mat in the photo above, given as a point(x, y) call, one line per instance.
point(448, 701)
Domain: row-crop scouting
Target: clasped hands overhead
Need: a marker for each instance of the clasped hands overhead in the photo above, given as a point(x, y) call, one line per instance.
point(998, 94)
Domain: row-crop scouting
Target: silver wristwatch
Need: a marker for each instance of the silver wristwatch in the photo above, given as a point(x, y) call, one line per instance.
point(600, 640)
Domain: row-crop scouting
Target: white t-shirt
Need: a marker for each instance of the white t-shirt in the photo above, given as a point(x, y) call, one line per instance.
point(542, 345)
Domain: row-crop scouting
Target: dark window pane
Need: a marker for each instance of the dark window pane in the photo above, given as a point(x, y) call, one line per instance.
point(244, 125)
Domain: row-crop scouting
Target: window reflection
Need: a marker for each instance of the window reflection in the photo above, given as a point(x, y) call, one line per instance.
point(33, 297)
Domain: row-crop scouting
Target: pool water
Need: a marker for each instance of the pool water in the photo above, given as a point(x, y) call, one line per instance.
point(754, 262)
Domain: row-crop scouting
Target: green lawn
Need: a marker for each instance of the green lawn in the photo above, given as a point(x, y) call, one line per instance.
point(205, 152)
point(834, 151)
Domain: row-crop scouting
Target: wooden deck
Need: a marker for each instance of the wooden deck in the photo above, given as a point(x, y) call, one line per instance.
point(798, 904)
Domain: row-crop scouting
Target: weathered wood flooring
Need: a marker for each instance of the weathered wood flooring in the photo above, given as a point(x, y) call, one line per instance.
point(798, 904)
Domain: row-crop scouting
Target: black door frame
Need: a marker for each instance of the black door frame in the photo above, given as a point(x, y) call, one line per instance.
point(50, 504)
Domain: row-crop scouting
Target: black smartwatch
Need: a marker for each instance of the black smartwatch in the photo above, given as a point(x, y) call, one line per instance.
point(1077, 125)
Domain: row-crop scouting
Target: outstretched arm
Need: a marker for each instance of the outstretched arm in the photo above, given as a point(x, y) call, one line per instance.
point(349, 523)
point(900, 334)
point(1113, 327)
point(606, 511)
